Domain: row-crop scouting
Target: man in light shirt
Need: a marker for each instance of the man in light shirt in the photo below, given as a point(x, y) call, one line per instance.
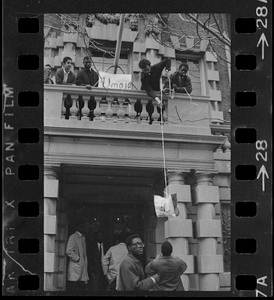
point(112, 260)
point(64, 75)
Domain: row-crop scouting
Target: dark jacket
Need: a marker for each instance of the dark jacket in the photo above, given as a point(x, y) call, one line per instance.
point(169, 269)
point(85, 77)
point(60, 77)
point(95, 268)
point(182, 83)
point(151, 82)
point(131, 276)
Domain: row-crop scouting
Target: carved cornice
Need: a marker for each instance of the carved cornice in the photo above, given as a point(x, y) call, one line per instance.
point(173, 165)
point(134, 133)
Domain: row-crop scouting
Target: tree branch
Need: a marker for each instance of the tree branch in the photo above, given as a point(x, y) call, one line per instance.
point(219, 37)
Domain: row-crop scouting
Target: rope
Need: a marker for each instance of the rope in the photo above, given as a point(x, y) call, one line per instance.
point(162, 130)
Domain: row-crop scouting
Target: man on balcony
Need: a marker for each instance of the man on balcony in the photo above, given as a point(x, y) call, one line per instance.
point(179, 81)
point(150, 79)
point(64, 75)
point(89, 78)
point(47, 74)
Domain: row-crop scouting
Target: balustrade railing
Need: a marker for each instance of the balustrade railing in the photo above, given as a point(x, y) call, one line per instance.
point(127, 106)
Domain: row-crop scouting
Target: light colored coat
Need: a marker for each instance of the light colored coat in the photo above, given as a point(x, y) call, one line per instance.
point(112, 260)
point(78, 263)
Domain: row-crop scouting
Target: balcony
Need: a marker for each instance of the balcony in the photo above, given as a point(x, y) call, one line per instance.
point(118, 136)
point(114, 109)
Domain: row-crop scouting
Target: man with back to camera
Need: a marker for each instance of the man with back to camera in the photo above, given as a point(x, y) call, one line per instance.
point(169, 268)
point(64, 75)
point(131, 276)
point(150, 79)
point(113, 258)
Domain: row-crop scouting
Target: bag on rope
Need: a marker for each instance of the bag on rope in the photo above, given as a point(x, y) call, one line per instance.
point(163, 206)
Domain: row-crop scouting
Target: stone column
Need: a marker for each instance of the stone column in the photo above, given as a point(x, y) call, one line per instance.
point(51, 184)
point(207, 229)
point(179, 229)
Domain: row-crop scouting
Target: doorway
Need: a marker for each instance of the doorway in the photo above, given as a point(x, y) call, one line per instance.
point(110, 218)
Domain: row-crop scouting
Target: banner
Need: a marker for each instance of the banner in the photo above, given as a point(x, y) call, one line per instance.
point(115, 81)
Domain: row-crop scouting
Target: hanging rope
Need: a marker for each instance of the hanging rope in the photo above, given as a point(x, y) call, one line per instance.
point(162, 130)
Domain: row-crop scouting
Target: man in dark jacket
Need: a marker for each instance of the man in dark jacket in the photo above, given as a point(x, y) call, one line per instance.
point(89, 78)
point(150, 79)
point(64, 75)
point(95, 252)
point(169, 268)
point(179, 81)
point(131, 276)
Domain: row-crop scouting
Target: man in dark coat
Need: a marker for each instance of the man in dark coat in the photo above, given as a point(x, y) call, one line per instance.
point(179, 81)
point(95, 254)
point(150, 79)
point(131, 276)
point(169, 268)
point(64, 75)
point(89, 78)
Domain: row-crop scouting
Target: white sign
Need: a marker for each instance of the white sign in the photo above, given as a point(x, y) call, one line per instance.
point(115, 81)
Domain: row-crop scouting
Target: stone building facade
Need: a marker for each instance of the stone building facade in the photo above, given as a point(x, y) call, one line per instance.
point(107, 170)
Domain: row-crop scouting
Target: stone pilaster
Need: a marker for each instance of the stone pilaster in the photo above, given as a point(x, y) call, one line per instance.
point(51, 185)
point(179, 229)
point(207, 230)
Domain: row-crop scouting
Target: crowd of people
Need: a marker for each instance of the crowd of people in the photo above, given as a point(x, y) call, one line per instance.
point(150, 80)
point(121, 268)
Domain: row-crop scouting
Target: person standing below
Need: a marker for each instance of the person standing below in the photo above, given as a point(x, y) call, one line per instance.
point(64, 75)
point(131, 276)
point(179, 81)
point(95, 255)
point(78, 264)
point(112, 260)
point(89, 78)
point(150, 79)
point(169, 268)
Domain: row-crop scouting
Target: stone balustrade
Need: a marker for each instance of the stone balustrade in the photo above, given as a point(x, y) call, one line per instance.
point(125, 106)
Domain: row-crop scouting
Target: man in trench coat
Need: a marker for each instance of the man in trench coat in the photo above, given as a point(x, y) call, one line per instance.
point(77, 274)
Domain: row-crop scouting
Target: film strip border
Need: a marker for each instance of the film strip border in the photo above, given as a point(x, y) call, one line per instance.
point(251, 148)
